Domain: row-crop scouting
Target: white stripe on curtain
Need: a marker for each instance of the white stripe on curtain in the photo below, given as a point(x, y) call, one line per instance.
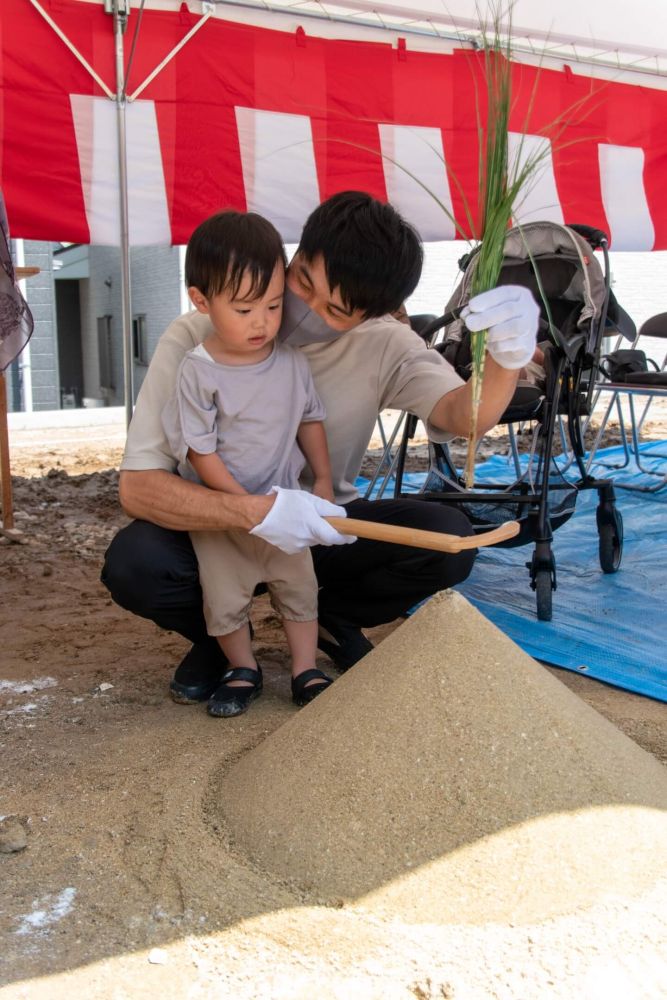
point(279, 173)
point(624, 197)
point(416, 178)
point(95, 126)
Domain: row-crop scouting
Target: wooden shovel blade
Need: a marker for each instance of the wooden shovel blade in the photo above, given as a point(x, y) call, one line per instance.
point(437, 540)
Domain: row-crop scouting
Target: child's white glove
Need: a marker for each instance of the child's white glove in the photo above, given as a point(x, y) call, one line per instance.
point(511, 316)
point(296, 521)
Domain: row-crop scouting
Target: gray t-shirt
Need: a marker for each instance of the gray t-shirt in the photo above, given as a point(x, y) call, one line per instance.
point(379, 364)
point(248, 414)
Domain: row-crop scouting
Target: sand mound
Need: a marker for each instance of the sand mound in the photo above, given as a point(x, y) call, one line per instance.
point(450, 777)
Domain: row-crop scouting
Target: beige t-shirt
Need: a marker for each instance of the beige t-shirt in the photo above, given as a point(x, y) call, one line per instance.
point(379, 364)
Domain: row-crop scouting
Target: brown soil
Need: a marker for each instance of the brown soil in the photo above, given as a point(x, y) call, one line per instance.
point(129, 885)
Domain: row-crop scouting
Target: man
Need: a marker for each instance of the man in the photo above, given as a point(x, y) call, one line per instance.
point(357, 262)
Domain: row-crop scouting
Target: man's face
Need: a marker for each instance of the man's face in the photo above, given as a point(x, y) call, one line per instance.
point(308, 280)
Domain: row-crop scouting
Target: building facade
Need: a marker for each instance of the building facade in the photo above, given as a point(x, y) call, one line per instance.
point(75, 355)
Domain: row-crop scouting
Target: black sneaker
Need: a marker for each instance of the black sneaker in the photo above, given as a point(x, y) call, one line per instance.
point(343, 643)
point(198, 674)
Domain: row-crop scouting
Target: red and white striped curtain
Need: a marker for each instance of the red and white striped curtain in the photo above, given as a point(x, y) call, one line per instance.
point(276, 121)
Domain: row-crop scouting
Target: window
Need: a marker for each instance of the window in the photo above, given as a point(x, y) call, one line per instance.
point(105, 355)
point(140, 340)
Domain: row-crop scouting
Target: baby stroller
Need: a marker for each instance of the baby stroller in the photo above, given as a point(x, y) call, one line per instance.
point(577, 308)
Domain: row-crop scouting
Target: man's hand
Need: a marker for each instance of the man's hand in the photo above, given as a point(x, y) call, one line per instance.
point(511, 316)
point(296, 521)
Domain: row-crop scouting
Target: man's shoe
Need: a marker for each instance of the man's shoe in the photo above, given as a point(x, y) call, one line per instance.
point(199, 673)
point(343, 643)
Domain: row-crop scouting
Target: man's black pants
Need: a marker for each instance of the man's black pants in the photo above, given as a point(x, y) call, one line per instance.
point(152, 571)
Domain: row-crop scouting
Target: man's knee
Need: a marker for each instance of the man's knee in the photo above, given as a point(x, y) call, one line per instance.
point(143, 561)
point(456, 567)
point(448, 568)
point(430, 516)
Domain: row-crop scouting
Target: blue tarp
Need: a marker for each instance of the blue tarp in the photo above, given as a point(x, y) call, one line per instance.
point(609, 626)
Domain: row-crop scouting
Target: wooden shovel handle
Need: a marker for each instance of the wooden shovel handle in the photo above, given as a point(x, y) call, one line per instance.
point(422, 539)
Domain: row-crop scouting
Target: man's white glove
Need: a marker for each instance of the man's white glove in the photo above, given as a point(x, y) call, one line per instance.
point(511, 315)
point(296, 521)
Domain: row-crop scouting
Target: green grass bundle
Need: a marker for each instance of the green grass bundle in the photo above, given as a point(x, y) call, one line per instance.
point(500, 185)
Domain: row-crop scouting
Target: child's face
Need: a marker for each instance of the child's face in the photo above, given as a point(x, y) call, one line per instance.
point(244, 326)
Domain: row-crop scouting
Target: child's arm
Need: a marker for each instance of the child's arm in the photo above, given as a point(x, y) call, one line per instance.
point(214, 473)
point(313, 443)
point(194, 410)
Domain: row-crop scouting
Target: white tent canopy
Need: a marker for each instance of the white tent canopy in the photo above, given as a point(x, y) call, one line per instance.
point(603, 33)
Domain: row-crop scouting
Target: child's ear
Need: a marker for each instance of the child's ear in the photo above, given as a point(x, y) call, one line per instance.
point(199, 301)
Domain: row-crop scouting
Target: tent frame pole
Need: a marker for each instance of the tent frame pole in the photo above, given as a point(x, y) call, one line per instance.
point(120, 23)
point(75, 52)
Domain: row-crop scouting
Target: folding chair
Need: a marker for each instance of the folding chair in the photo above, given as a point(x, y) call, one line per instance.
point(643, 386)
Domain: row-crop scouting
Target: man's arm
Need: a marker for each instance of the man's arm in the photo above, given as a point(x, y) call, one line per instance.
point(453, 411)
point(292, 520)
point(171, 502)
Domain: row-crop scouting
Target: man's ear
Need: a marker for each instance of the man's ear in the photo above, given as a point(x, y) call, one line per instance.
point(199, 301)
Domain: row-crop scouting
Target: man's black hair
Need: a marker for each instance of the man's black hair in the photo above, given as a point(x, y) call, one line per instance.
point(372, 256)
point(229, 245)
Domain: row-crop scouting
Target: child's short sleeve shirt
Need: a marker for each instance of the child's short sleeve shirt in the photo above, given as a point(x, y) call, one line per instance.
point(248, 414)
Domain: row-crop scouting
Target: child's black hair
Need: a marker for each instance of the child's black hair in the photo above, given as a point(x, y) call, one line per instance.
point(371, 254)
point(229, 245)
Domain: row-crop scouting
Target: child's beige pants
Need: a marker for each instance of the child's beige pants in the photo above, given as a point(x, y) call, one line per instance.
point(232, 563)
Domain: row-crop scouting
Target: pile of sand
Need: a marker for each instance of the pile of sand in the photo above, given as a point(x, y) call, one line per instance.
point(451, 774)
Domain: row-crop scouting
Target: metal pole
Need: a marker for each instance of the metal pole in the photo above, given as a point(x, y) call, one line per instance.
point(120, 10)
point(25, 366)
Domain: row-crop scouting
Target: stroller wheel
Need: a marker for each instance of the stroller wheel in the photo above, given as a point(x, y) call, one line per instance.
point(611, 543)
point(543, 578)
point(543, 594)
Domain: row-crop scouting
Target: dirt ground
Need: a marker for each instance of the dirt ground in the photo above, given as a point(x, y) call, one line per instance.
point(128, 885)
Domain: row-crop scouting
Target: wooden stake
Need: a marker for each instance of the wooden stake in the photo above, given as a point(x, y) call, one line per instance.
point(5, 474)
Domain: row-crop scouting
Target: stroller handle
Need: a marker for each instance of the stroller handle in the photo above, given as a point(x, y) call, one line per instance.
point(417, 538)
point(596, 237)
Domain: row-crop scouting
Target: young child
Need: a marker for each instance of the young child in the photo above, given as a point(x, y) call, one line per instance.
point(245, 417)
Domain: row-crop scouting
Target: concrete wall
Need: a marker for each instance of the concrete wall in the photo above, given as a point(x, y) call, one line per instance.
point(156, 294)
point(41, 354)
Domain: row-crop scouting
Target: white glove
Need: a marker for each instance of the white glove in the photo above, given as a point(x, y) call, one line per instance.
point(511, 315)
point(296, 521)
